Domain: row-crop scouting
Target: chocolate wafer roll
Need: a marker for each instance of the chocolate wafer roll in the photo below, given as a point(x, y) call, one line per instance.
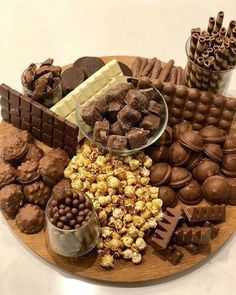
point(193, 45)
point(232, 57)
point(219, 21)
point(156, 69)
point(222, 32)
point(210, 50)
point(219, 59)
point(179, 76)
point(206, 75)
point(136, 66)
point(211, 24)
point(233, 33)
point(196, 30)
point(200, 47)
point(225, 57)
point(219, 41)
point(232, 42)
point(148, 67)
point(215, 34)
point(204, 34)
point(173, 75)
point(143, 65)
point(231, 26)
point(205, 55)
point(166, 70)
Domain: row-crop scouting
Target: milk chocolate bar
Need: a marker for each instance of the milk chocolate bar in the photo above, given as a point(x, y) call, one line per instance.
point(172, 254)
point(214, 228)
point(205, 213)
point(194, 235)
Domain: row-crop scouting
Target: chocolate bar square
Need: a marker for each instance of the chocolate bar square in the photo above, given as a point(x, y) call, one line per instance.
point(71, 129)
point(4, 90)
point(15, 97)
point(58, 135)
point(4, 102)
point(25, 103)
point(5, 115)
point(71, 151)
point(37, 109)
point(59, 123)
point(70, 141)
point(57, 144)
point(25, 125)
point(47, 139)
point(36, 122)
point(47, 128)
point(25, 116)
point(14, 110)
point(15, 120)
point(36, 133)
point(48, 116)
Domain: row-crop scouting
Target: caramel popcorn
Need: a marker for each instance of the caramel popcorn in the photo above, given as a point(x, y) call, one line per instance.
point(126, 204)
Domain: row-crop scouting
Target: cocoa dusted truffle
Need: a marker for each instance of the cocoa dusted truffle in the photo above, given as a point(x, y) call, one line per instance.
point(61, 185)
point(117, 142)
point(229, 165)
point(166, 137)
point(178, 154)
point(229, 146)
point(179, 177)
point(13, 147)
point(168, 196)
point(28, 171)
point(216, 190)
point(191, 194)
point(212, 134)
point(30, 219)
point(37, 193)
point(11, 199)
point(192, 140)
point(206, 168)
point(51, 169)
point(136, 138)
point(213, 151)
point(90, 115)
point(34, 153)
point(101, 131)
point(158, 153)
point(150, 122)
point(181, 128)
point(61, 155)
point(232, 184)
point(136, 100)
point(160, 174)
point(7, 173)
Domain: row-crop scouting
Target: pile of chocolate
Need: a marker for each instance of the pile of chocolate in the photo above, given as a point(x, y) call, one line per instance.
point(26, 179)
point(192, 165)
point(124, 117)
point(190, 229)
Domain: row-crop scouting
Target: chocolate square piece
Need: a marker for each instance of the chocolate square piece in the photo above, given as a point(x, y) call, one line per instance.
point(36, 133)
point(25, 116)
point(118, 93)
point(5, 115)
point(25, 125)
point(15, 97)
point(129, 115)
point(47, 139)
point(37, 109)
point(25, 103)
point(151, 123)
point(71, 129)
point(57, 144)
point(14, 110)
point(101, 131)
point(117, 142)
point(47, 128)
point(58, 135)
point(36, 122)
point(48, 116)
point(59, 123)
point(70, 151)
point(4, 102)
point(4, 90)
point(90, 115)
point(136, 100)
point(15, 120)
point(136, 138)
point(70, 141)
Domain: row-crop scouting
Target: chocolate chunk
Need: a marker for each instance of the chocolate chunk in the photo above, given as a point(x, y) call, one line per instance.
point(229, 165)
point(129, 115)
point(116, 128)
point(64, 183)
point(168, 196)
point(71, 78)
point(155, 108)
point(179, 177)
point(37, 193)
point(150, 93)
point(212, 134)
point(136, 100)
point(216, 190)
point(30, 219)
point(100, 104)
point(13, 147)
point(214, 229)
point(160, 174)
point(51, 169)
point(34, 153)
point(118, 93)
point(61, 155)
point(27, 77)
point(192, 235)
point(213, 151)
point(172, 254)
point(192, 249)
point(125, 69)
point(206, 168)
point(117, 142)
point(89, 65)
point(28, 171)
point(136, 138)
point(90, 115)
point(205, 213)
point(101, 131)
point(178, 154)
point(191, 194)
point(7, 173)
point(47, 62)
point(11, 199)
point(192, 140)
point(151, 123)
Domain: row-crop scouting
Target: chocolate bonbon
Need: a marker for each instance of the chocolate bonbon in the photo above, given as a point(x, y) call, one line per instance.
point(179, 177)
point(160, 174)
point(190, 194)
point(59, 154)
point(37, 193)
point(168, 196)
point(178, 154)
point(64, 183)
point(205, 213)
point(205, 169)
point(13, 147)
point(34, 153)
point(51, 169)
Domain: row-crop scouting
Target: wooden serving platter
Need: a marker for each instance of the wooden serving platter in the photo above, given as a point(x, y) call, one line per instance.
point(152, 267)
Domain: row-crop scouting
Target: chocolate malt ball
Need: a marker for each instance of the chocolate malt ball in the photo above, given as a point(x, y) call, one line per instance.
point(51, 169)
point(37, 193)
point(7, 173)
point(11, 199)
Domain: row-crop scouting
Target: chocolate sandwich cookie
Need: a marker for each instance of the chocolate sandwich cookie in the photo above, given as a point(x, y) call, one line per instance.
point(51, 169)
point(37, 193)
point(181, 128)
point(179, 177)
point(206, 168)
point(192, 140)
point(89, 65)
point(232, 184)
point(178, 154)
point(168, 196)
point(61, 155)
point(160, 174)
point(213, 151)
point(212, 134)
point(11, 199)
point(13, 147)
point(229, 165)
point(158, 153)
point(191, 194)
point(7, 173)
point(166, 137)
point(30, 219)
point(229, 146)
point(71, 78)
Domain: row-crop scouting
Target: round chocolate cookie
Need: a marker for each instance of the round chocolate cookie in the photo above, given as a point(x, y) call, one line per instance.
point(37, 193)
point(181, 128)
point(61, 185)
point(7, 174)
point(28, 171)
point(30, 219)
point(168, 196)
point(11, 199)
point(160, 174)
point(191, 194)
point(229, 146)
point(213, 151)
point(179, 177)
point(89, 65)
point(51, 169)
point(206, 168)
point(34, 153)
point(61, 155)
point(158, 153)
point(166, 137)
point(192, 140)
point(212, 134)
point(125, 69)
point(13, 147)
point(178, 154)
point(71, 78)
point(193, 161)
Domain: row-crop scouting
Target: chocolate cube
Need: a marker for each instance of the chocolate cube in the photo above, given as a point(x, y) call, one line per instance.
point(136, 138)
point(117, 142)
point(151, 123)
point(116, 128)
point(149, 93)
point(155, 108)
point(101, 131)
point(129, 115)
point(118, 93)
point(90, 115)
point(136, 100)
point(100, 104)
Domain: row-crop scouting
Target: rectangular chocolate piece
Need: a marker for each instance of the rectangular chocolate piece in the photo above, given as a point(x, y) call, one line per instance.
point(25, 126)
point(4, 102)
point(58, 135)
point(47, 128)
point(192, 235)
point(70, 141)
point(14, 111)
point(192, 249)
point(36, 133)
point(214, 229)
point(57, 144)
point(205, 213)
point(4, 91)
point(172, 254)
point(26, 116)
point(59, 123)
point(15, 97)
point(25, 103)
point(47, 139)
point(37, 109)
point(36, 122)
point(5, 115)
point(71, 129)
point(48, 116)
point(15, 120)
point(70, 151)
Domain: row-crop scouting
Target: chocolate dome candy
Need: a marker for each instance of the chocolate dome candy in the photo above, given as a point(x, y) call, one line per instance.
point(191, 194)
point(232, 184)
point(229, 165)
point(160, 174)
point(193, 161)
point(229, 146)
point(168, 196)
point(192, 140)
point(11, 199)
point(206, 168)
point(216, 190)
point(13, 147)
point(179, 177)
point(158, 153)
point(213, 151)
point(178, 154)
point(181, 128)
point(60, 155)
point(30, 219)
point(212, 134)
point(7, 174)
point(166, 137)
point(51, 169)
point(37, 193)
point(28, 171)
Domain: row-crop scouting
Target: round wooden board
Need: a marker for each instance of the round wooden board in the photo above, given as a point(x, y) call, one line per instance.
point(152, 267)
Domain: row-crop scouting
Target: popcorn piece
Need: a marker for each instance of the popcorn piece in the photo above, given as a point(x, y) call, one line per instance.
point(127, 241)
point(127, 254)
point(104, 200)
point(107, 261)
point(141, 244)
point(138, 221)
point(128, 218)
point(152, 222)
point(136, 258)
point(132, 231)
point(139, 206)
point(115, 244)
point(113, 182)
point(106, 232)
point(129, 191)
point(117, 213)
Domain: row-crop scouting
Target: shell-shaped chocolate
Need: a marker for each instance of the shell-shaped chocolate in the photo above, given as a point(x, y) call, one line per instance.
point(212, 134)
point(192, 140)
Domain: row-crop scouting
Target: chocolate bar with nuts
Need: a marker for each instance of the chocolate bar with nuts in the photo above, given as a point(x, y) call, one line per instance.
point(205, 213)
point(192, 235)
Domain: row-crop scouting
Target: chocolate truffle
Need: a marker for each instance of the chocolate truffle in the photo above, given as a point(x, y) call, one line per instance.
point(129, 115)
point(193, 161)
point(150, 122)
point(178, 154)
point(229, 165)
point(168, 196)
point(101, 131)
point(61, 155)
point(11, 199)
point(160, 174)
point(34, 153)
point(166, 137)
point(13, 147)
point(229, 146)
point(136, 100)
point(181, 128)
point(216, 190)
point(179, 177)
point(213, 151)
point(192, 140)
point(30, 219)
point(117, 142)
point(28, 171)
point(37, 193)
point(206, 168)
point(136, 138)
point(232, 184)
point(64, 183)
point(158, 153)
point(7, 173)
point(51, 169)
point(212, 134)
point(90, 115)
point(191, 194)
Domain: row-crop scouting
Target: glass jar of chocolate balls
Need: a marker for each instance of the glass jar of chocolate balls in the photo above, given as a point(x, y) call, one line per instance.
point(72, 225)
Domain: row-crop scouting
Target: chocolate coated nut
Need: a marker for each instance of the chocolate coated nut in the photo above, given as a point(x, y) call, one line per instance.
point(136, 138)
point(7, 174)
point(117, 142)
point(216, 190)
point(90, 115)
point(101, 131)
point(191, 194)
point(212, 134)
point(206, 168)
point(34, 153)
point(160, 174)
point(178, 154)
point(11, 199)
point(179, 177)
point(168, 196)
point(192, 140)
point(51, 169)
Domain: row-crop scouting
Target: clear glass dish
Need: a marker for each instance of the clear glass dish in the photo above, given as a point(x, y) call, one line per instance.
point(100, 87)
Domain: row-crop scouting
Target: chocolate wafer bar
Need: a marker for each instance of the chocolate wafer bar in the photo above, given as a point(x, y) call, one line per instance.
point(165, 229)
point(192, 235)
point(205, 213)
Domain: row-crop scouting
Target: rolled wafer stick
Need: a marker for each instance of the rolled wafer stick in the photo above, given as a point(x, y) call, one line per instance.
point(222, 32)
point(166, 70)
point(211, 24)
point(205, 55)
point(200, 47)
point(179, 76)
point(232, 57)
point(196, 30)
point(219, 41)
point(143, 65)
point(225, 57)
point(173, 75)
point(148, 67)
point(204, 34)
point(219, 59)
point(232, 42)
point(233, 33)
point(136, 66)
point(206, 75)
point(219, 21)
point(156, 69)
point(193, 45)
point(210, 50)
point(215, 34)
point(231, 26)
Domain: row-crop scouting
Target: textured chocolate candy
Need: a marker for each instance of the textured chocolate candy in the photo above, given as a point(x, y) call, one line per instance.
point(166, 137)
point(229, 165)
point(28, 171)
point(129, 115)
point(179, 177)
point(216, 190)
point(168, 196)
point(117, 142)
point(100, 104)
point(37, 193)
point(206, 168)
point(191, 194)
point(158, 153)
point(160, 174)
point(11, 199)
point(181, 128)
point(136, 137)
point(155, 108)
point(205, 213)
point(213, 151)
point(178, 154)
point(136, 100)
point(125, 69)
point(7, 173)
point(212, 134)
point(89, 64)
point(13, 147)
point(150, 122)
point(116, 129)
point(51, 169)
point(64, 183)
point(61, 155)
point(229, 146)
point(101, 131)
point(192, 140)
point(118, 93)
point(34, 153)
point(90, 115)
